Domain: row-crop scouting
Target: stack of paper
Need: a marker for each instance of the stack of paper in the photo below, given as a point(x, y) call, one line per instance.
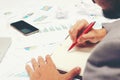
point(66, 60)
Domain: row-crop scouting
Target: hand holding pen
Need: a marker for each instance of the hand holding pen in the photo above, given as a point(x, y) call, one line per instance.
point(88, 28)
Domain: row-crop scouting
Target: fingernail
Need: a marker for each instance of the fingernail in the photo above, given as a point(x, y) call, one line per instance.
point(77, 68)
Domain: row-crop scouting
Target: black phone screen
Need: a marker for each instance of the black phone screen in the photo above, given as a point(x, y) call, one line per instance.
point(24, 27)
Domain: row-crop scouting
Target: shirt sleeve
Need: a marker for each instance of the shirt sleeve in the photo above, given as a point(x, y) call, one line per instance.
point(104, 62)
point(109, 26)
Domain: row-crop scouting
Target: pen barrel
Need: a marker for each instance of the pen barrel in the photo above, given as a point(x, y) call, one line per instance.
point(89, 27)
point(72, 45)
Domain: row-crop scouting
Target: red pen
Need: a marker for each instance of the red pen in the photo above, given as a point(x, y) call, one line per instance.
point(84, 32)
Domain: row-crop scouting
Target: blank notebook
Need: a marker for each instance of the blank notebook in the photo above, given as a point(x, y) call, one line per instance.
point(67, 60)
point(4, 45)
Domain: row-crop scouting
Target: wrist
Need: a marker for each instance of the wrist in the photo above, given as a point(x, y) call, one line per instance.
point(103, 33)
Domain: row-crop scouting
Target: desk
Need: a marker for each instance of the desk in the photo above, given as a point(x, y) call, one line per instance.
point(45, 15)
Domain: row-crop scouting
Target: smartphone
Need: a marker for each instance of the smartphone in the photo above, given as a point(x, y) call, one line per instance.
point(78, 77)
point(24, 27)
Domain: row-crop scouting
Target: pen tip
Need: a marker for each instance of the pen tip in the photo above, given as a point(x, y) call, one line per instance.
point(68, 50)
point(72, 46)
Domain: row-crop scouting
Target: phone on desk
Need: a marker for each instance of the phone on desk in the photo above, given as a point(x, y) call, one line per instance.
point(24, 27)
point(78, 77)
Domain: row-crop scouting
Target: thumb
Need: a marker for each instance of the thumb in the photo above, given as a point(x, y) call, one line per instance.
point(87, 36)
point(84, 38)
point(70, 75)
point(90, 37)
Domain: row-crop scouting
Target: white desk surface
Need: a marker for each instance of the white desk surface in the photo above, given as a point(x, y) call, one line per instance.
point(23, 48)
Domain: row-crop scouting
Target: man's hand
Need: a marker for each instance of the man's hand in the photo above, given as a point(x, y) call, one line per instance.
point(46, 70)
point(93, 36)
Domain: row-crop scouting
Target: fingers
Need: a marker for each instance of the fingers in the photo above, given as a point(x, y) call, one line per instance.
point(92, 37)
point(73, 73)
point(76, 29)
point(34, 64)
point(40, 64)
point(86, 37)
point(41, 61)
point(29, 70)
point(49, 61)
